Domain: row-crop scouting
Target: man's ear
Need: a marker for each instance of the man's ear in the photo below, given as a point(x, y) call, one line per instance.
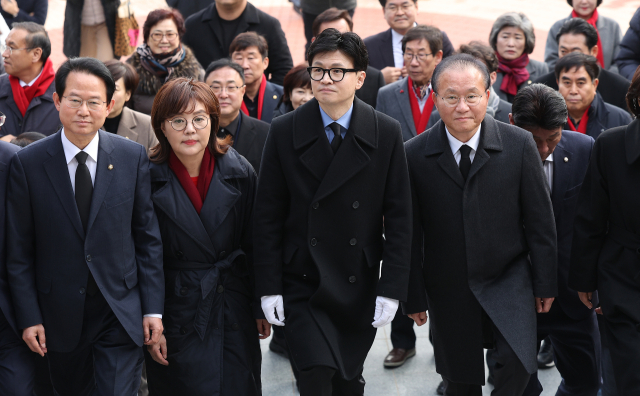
point(265, 62)
point(511, 119)
point(596, 82)
point(595, 50)
point(56, 101)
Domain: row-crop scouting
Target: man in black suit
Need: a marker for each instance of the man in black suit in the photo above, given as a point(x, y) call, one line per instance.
point(576, 35)
point(17, 367)
point(218, 24)
point(571, 327)
point(226, 79)
point(342, 22)
point(339, 165)
point(385, 48)
point(484, 241)
point(84, 254)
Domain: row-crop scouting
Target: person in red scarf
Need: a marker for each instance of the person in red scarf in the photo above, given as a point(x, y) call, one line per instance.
point(250, 50)
point(577, 76)
point(203, 193)
point(409, 100)
point(26, 91)
point(609, 34)
point(513, 39)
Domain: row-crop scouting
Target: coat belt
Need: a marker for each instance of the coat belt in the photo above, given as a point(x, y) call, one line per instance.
point(624, 237)
point(207, 284)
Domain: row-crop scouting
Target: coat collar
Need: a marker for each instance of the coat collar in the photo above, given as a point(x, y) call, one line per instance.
point(128, 124)
point(632, 141)
point(248, 17)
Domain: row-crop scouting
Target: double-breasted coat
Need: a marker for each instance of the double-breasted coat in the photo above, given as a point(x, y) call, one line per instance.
point(485, 244)
point(209, 317)
point(318, 231)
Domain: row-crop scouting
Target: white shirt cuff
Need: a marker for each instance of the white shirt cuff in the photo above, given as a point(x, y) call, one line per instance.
point(153, 316)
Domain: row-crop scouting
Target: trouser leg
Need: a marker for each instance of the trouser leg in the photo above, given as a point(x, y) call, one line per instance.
point(458, 389)
point(316, 381)
point(17, 362)
point(510, 376)
point(402, 333)
point(352, 387)
point(623, 337)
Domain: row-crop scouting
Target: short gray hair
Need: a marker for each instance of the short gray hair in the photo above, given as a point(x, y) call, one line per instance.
point(459, 62)
point(518, 20)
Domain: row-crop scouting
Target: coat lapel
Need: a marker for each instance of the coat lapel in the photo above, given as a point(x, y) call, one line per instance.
point(351, 158)
point(402, 96)
point(489, 140)
point(560, 170)
point(103, 175)
point(437, 143)
point(308, 131)
point(127, 126)
point(58, 172)
point(632, 141)
point(214, 24)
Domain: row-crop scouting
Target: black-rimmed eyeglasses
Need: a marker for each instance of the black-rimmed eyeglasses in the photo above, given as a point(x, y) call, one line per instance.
point(336, 74)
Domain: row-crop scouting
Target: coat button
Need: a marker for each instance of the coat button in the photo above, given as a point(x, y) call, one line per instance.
point(183, 330)
point(356, 205)
point(304, 276)
point(353, 241)
point(352, 279)
point(235, 326)
point(82, 290)
point(315, 205)
point(184, 291)
point(179, 254)
point(223, 254)
point(314, 242)
point(88, 257)
point(220, 289)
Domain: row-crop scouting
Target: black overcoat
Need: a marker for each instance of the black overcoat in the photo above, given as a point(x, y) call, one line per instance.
point(489, 243)
point(318, 231)
point(209, 316)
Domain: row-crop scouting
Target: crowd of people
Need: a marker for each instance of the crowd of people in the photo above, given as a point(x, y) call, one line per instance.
point(163, 213)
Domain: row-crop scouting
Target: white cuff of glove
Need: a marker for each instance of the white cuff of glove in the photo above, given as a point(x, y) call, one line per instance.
point(385, 311)
point(273, 309)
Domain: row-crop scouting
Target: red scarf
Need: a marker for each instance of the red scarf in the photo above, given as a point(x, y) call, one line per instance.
point(514, 71)
point(197, 193)
point(582, 126)
point(263, 86)
point(24, 95)
point(420, 118)
point(593, 21)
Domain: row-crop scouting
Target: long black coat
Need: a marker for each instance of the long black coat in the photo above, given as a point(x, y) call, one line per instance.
point(209, 312)
point(318, 231)
point(72, 24)
point(489, 243)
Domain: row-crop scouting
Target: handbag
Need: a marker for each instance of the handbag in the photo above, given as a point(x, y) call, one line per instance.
point(127, 30)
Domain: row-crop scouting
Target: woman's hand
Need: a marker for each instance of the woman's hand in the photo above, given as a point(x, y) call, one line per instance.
point(158, 351)
point(264, 328)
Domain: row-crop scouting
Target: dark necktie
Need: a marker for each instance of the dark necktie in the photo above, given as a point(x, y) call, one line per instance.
point(465, 161)
point(337, 136)
point(84, 191)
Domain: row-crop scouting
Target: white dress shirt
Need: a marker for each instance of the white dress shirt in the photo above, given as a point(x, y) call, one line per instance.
point(455, 145)
point(396, 43)
point(70, 152)
point(548, 170)
point(25, 84)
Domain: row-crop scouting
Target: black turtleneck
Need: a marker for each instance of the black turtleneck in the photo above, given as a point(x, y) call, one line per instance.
point(111, 124)
point(229, 129)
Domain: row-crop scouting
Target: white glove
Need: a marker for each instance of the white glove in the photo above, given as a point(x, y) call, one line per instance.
point(385, 311)
point(273, 309)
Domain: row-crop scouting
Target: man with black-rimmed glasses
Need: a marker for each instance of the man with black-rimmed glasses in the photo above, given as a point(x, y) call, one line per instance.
point(331, 171)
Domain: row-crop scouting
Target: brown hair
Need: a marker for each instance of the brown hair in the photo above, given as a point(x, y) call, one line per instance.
point(331, 15)
point(483, 52)
point(179, 96)
point(157, 16)
point(298, 77)
point(249, 39)
point(125, 71)
point(634, 93)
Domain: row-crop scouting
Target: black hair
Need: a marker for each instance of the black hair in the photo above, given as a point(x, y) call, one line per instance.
point(597, 4)
point(579, 26)
point(348, 43)
point(222, 63)
point(26, 138)
point(37, 37)
point(460, 61)
point(88, 66)
point(538, 105)
point(432, 35)
point(383, 3)
point(483, 52)
point(576, 60)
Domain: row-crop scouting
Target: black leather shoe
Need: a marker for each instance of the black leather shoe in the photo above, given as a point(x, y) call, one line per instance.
point(545, 355)
point(398, 356)
point(440, 388)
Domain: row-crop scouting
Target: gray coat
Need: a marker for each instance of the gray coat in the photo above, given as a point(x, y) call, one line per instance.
point(536, 69)
point(485, 244)
point(610, 35)
point(393, 100)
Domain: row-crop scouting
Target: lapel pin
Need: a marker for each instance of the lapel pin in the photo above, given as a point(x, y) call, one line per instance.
point(402, 91)
point(275, 96)
point(566, 159)
point(111, 166)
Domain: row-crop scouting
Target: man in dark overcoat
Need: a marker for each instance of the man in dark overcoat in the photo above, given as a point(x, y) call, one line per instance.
point(483, 255)
point(331, 172)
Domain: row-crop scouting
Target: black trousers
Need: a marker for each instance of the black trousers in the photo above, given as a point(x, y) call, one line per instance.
point(17, 362)
point(325, 381)
point(623, 337)
point(106, 360)
point(402, 333)
point(308, 19)
point(576, 346)
point(510, 376)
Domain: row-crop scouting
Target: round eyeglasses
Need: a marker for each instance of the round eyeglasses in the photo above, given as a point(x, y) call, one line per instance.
point(180, 123)
point(452, 100)
point(336, 74)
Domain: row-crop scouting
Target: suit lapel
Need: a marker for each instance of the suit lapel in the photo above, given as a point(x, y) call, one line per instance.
point(103, 175)
point(58, 172)
point(308, 131)
point(387, 49)
point(560, 170)
point(246, 134)
point(402, 96)
point(269, 101)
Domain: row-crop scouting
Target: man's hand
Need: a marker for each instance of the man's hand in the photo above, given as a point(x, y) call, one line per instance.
point(585, 297)
point(152, 328)
point(264, 328)
point(543, 305)
point(158, 351)
point(391, 74)
point(35, 339)
point(420, 318)
point(10, 7)
point(7, 138)
point(404, 71)
point(273, 308)
point(385, 311)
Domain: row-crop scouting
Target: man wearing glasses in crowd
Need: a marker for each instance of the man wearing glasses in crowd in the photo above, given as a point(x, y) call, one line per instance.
point(331, 172)
point(226, 79)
